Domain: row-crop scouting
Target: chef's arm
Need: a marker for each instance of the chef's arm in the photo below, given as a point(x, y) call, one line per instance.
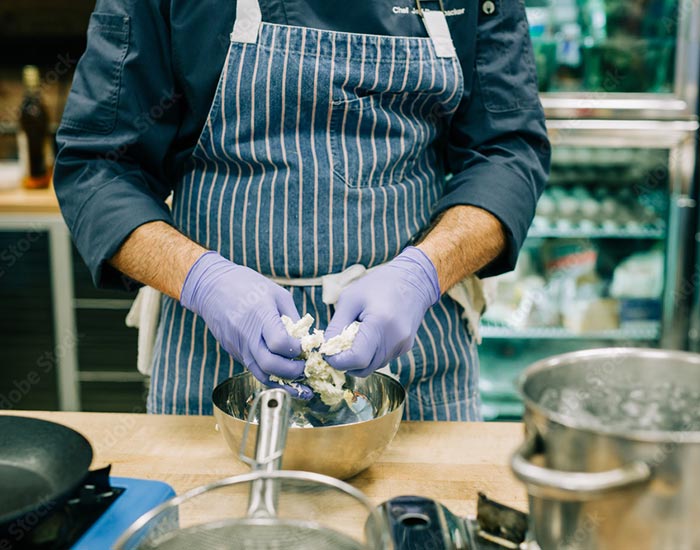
point(114, 166)
point(241, 308)
point(158, 255)
point(498, 154)
point(463, 241)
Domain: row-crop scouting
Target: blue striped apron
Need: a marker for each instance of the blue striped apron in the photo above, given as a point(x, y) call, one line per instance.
point(321, 150)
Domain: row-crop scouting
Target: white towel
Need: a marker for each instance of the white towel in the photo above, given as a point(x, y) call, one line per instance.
point(469, 293)
point(145, 316)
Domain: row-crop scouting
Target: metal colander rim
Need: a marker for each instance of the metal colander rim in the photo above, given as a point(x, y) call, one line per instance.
point(292, 475)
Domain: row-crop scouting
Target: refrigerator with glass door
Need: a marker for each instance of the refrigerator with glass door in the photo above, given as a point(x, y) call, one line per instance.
point(606, 261)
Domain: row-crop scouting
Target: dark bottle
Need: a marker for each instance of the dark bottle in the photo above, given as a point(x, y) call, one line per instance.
point(33, 137)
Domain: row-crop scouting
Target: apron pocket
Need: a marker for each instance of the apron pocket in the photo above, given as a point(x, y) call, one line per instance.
point(376, 138)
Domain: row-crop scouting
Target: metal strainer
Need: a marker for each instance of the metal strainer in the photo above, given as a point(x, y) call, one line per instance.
point(266, 509)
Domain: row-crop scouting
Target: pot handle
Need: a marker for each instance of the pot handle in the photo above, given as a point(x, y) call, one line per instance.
point(572, 486)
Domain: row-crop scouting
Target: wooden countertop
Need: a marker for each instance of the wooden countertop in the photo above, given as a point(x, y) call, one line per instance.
point(26, 201)
point(449, 462)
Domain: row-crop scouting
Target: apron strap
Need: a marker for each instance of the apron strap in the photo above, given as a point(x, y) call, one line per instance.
point(248, 21)
point(333, 284)
point(436, 24)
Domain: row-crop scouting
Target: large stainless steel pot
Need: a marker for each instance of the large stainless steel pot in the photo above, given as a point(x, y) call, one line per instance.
point(602, 487)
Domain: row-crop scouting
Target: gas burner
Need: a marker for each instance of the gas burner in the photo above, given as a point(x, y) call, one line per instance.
point(92, 518)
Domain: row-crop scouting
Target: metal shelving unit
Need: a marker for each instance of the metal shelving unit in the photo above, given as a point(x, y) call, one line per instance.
point(678, 138)
point(598, 233)
point(645, 334)
point(622, 79)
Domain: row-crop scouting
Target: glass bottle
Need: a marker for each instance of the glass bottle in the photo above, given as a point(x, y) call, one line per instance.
point(33, 134)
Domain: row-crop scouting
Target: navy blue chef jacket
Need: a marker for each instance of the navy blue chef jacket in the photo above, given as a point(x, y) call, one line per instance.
point(143, 89)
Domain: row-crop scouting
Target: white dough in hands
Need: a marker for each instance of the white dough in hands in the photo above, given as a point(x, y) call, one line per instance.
point(323, 379)
point(300, 328)
point(341, 342)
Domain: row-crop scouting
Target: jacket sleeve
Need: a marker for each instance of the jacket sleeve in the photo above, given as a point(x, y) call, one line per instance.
point(498, 151)
point(121, 117)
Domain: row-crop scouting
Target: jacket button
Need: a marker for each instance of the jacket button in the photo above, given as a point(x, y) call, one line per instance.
point(488, 7)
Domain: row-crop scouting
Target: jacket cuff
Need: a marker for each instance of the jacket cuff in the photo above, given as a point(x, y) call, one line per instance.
point(505, 195)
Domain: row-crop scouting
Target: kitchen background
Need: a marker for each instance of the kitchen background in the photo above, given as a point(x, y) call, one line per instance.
point(610, 260)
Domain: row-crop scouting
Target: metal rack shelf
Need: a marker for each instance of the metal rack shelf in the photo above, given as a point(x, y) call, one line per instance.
point(560, 333)
point(597, 234)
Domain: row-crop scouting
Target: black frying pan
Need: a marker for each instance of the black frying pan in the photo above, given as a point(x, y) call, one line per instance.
point(41, 463)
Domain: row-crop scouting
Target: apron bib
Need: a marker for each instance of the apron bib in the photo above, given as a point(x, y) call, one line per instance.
point(321, 150)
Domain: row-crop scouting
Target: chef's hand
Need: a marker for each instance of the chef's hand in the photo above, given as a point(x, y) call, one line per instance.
point(390, 302)
point(242, 310)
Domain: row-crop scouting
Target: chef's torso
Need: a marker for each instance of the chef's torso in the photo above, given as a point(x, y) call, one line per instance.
point(208, 25)
point(321, 149)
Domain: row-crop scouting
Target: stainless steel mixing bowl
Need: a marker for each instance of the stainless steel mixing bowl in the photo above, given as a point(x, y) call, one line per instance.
point(337, 451)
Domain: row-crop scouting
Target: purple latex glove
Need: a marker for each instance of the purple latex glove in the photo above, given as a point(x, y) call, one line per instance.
point(242, 310)
point(390, 302)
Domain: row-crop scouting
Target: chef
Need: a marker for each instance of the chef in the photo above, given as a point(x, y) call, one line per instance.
point(356, 161)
